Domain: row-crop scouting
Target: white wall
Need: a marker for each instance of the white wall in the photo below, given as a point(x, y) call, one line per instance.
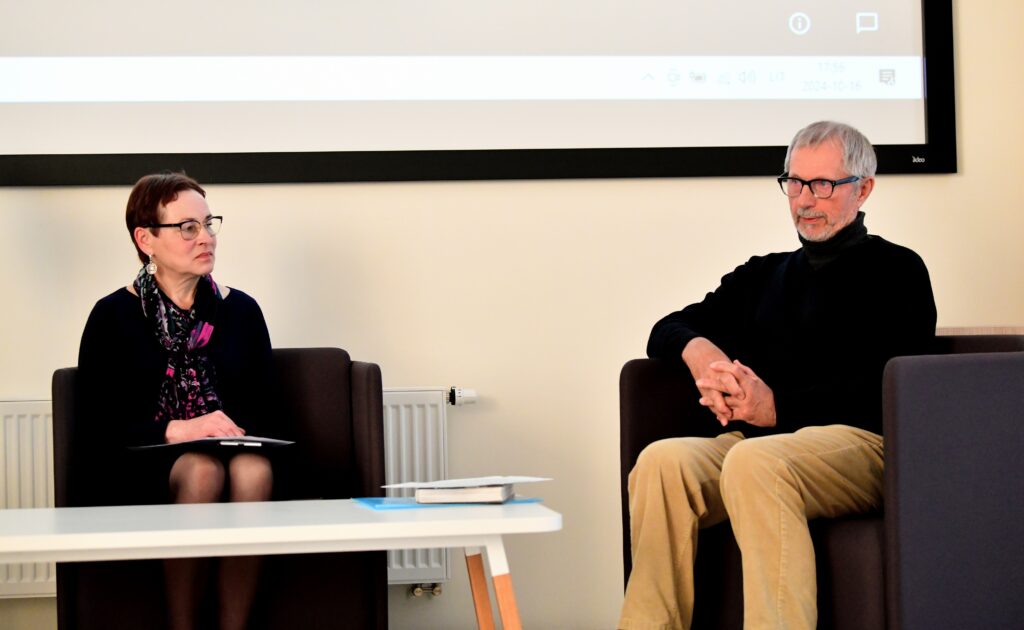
point(534, 293)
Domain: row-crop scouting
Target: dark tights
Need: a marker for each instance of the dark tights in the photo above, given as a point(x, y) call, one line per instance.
point(201, 478)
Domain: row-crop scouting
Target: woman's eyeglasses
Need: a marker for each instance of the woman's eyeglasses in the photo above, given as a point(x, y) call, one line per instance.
point(190, 229)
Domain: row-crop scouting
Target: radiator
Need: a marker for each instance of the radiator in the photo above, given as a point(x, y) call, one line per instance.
point(416, 449)
point(26, 481)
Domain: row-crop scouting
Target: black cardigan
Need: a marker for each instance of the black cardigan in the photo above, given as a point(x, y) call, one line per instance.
point(818, 335)
point(121, 367)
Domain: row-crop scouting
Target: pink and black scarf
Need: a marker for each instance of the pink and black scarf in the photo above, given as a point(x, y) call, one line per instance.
point(187, 390)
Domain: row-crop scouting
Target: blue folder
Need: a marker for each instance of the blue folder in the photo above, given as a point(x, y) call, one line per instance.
point(409, 503)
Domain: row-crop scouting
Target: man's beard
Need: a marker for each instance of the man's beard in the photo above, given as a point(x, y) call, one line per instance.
point(828, 230)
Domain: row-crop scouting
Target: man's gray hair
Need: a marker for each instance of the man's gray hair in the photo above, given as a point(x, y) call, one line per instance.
point(858, 154)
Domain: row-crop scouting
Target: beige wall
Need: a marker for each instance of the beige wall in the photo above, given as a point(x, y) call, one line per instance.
point(534, 293)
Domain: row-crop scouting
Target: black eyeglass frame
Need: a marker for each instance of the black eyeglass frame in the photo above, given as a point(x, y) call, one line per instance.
point(782, 179)
point(205, 224)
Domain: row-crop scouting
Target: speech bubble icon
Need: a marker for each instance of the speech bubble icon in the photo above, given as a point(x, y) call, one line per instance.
point(867, 22)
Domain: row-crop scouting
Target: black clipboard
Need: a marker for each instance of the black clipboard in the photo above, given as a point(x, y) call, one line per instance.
point(220, 444)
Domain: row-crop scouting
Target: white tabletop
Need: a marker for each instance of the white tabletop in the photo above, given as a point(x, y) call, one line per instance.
point(220, 529)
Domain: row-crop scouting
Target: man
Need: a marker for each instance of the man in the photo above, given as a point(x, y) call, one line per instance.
point(788, 356)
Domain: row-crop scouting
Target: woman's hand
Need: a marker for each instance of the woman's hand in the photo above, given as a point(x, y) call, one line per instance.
point(214, 424)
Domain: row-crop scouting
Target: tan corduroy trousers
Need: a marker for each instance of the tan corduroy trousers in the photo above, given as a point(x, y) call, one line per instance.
point(768, 488)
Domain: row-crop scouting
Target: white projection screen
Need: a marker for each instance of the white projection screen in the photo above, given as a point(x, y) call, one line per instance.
point(316, 90)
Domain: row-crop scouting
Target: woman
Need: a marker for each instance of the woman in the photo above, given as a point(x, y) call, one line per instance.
point(175, 357)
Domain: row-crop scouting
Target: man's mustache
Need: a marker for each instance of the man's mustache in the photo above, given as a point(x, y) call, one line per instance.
point(803, 213)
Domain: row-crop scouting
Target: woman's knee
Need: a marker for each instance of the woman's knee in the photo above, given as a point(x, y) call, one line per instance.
point(251, 477)
point(197, 478)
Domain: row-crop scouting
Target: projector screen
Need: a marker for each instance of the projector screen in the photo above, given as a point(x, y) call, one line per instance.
point(103, 92)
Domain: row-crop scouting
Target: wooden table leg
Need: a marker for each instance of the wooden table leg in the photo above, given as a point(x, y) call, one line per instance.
point(478, 584)
point(507, 602)
point(502, 579)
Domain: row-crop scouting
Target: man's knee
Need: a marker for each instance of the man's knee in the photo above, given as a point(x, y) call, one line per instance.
point(658, 454)
point(690, 461)
point(672, 457)
point(750, 466)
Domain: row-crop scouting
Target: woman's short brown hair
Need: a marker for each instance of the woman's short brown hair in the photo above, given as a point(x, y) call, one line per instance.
point(151, 193)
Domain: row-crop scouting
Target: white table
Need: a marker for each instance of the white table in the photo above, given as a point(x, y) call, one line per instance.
point(278, 527)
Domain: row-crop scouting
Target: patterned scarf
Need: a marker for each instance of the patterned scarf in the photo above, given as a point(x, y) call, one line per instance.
point(187, 390)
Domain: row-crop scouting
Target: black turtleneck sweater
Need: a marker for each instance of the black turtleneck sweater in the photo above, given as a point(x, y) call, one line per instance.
point(817, 325)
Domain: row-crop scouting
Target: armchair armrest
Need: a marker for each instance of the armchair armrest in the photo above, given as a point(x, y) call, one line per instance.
point(64, 400)
point(961, 344)
point(657, 400)
point(368, 425)
point(954, 476)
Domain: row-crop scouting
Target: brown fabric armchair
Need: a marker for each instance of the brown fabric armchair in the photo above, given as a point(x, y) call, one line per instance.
point(335, 414)
point(950, 546)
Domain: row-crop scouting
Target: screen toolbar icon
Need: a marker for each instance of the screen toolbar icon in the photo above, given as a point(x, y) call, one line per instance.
point(799, 23)
point(867, 22)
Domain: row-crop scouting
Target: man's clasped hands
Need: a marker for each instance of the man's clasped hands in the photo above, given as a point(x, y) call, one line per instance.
point(731, 390)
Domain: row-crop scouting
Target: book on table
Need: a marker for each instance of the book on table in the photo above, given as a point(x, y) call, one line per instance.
point(495, 489)
point(479, 494)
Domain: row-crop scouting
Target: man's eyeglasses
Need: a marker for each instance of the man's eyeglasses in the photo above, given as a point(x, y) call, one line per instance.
point(190, 229)
point(820, 188)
